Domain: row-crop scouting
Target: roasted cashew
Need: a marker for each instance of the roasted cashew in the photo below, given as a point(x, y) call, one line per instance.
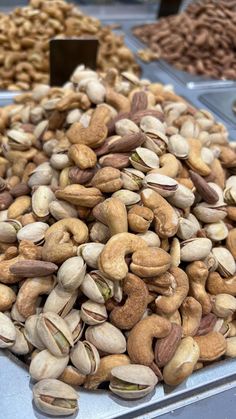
point(194, 158)
point(29, 292)
point(183, 362)
point(126, 316)
point(212, 346)
point(139, 219)
point(165, 217)
point(112, 259)
point(139, 344)
point(7, 297)
point(117, 100)
point(218, 285)
point(112, 212)
point(191, 312)
point(231, 242)
point(107, 363)
point(169, 166)
point(197, 273)
point(58, 246)
point(169, 304)
point(150, 262)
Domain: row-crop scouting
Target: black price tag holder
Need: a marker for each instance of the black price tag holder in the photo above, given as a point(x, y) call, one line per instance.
point(67, 53)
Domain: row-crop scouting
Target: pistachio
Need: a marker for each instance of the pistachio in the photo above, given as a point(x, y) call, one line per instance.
point(75, 324)
point(162, 184)
point(226, 262)
point(178, 146)
point(132, 179)
point(61, 209)
point(41, 199)
point(7, 232)
point(144, 160)
point(55, 398)
point(127, 197)
point(34, 232)
point(125, 126)
point(60, 301)
point(97, 287)
point(183, 197)
point(195, 249)
point(216, 231)
point(224, 305)
point(54, 333)
point(90, 253)
point(42, 175)
point(93, 313)
point(21, 345)
point(7, 332)
point(71, 273)
point(85, 357)
point(132, 381)
point(31, 333)
point(45, 365)
point(106, 338)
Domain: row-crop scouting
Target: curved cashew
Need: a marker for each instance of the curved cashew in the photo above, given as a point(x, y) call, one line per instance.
point(117, 100)
point(73, 226)
point(112, 212)
point(194, 158)
point(183, 362)
point(107, 363)
point(112, 259)
point(197, 273)
point(169, 304)
point(29, 292)
point(150, 262)
point(191, 312)
point(212, 346)
point(218, 285)
point(169, 166)
point(139, 344)
point(231, 242)
point(7, 297)
point(126, 316)
point(165, 217)
point(96, 133)
point(139, 219)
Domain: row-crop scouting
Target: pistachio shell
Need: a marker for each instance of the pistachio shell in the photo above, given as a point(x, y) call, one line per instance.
point(31, 333)
point(21, 345)
point(42, 175)
point(164, 185)
point(60, 301)
point(132, 179)
point(34, 232)
point(132, 381)
point(216, 231)
point(75, 324)
point(226, 262)
point(127, 197)
point(90, 253)
point(183, 197)
point(71, 273)
point(41, 199)
point(97, 287)
point(55, 398)
point(93, 313)
point(85, 357)
point(195, 249)
point(7, 232)
point(178, 146)
point(106, 338)
point(46, 365)
point(144, 159)
point(7, 331)
point(61, 209)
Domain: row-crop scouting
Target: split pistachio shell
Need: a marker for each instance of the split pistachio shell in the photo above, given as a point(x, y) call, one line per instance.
point(42, 175)
point(97, 287)
point(209, 215)
point(55, 398)
point(34, 232)
point(55, 334)
point(46, 365)
point(182, 198)
point(132, 381)
point(164, 185)
point(195, 249)
point(60, 301)
point(7, 331)
point(85, 357)
point(107, 338)
point(150, 123)
point(31, 333)
point(187, 229)
point(144, 160)
point(132, 179)
point(71, 273)
point(41, 199)
point(90, 252)
point(93, 313)
point(226, 262)
point(216, 231)
point(127, 197)
point(75, 324)
point(125, 126)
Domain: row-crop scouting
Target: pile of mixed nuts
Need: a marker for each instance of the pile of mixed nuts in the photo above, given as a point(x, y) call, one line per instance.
point(200, 40)
point(25, 35)
point(117, 237)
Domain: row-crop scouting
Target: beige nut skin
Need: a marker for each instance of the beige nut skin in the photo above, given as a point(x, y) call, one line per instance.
point(183, 362)
point(139, 343)
point(169, 304)
point(107, 180)
point(83, 156)
point(112, 258)
point(112, 212)
point(166, 220)
point(191, 312)
point(7, 297)
point(197, 273)
point(103, 373)
point(29, 292)
point(139, 219)
point(126, 316)
point(218, 285)
point(212, 346)
point(150, 262)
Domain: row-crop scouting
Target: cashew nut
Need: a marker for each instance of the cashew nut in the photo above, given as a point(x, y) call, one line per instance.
point(139, 344)
point(29, 292)
point(169, 304)
point(218, 285)
point(112, 259)
point(197, 273)
point(191, 312)
point(169, 166)
point(112, 212)
point(126, 316)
